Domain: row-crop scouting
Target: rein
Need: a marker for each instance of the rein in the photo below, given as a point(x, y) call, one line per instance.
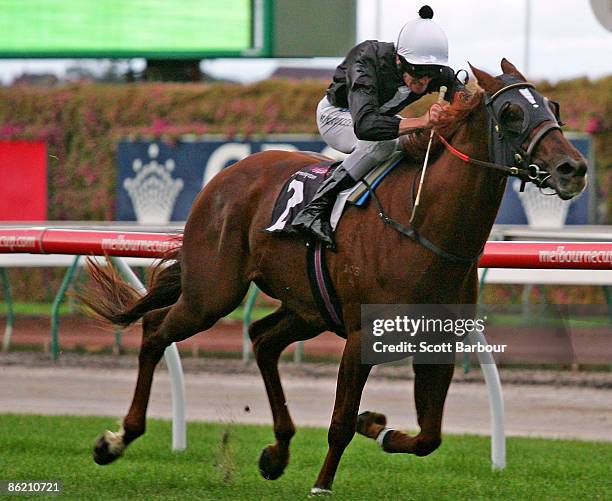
point(415, 235)
point(532, 173)
point(511, 171)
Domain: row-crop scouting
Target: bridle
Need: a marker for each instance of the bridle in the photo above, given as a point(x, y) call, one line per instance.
point(505, 149)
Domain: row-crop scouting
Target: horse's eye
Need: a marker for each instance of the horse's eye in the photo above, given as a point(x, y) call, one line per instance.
point(512, 118)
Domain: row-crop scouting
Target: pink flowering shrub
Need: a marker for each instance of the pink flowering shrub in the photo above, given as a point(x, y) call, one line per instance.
point(82, 124)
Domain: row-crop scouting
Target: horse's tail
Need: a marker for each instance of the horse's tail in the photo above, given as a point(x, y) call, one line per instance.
point(111, 298)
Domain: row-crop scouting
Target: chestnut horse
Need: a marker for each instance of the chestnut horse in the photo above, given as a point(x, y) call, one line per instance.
point(224, 249)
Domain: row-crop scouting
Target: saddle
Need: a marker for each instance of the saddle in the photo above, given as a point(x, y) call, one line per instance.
point(300, 188)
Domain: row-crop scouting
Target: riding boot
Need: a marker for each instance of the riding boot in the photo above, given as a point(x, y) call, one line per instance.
point(314, 218)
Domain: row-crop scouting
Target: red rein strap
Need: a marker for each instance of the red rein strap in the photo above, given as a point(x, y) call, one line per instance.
point(453, 150)
point(511, 171)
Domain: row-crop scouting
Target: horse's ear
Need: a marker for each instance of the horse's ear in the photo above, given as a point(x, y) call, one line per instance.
point(487, 82)
point(509, 69)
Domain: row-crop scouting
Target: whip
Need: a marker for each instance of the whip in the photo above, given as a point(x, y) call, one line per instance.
point(441, 94)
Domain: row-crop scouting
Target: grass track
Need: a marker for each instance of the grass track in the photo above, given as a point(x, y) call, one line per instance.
point(41, 447)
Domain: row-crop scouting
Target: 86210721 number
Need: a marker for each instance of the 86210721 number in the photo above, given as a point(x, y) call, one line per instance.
point(29, 487)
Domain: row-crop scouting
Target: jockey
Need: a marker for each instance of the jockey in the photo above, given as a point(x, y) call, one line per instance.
point(358, 115)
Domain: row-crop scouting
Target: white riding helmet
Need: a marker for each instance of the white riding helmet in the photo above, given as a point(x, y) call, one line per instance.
point(422, 41)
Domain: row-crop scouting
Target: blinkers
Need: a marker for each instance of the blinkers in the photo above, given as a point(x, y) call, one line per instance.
point(509, 130)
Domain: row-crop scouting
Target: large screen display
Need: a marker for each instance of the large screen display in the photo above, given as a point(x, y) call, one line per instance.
point(126, 28)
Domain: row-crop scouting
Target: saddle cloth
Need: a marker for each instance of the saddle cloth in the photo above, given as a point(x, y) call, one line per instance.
point(297, 192)
point(301, 187)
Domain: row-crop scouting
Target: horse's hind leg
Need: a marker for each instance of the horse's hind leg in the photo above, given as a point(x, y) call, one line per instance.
point(270, 336)
point(110, 445)
point(160, 329)
point(431, 382)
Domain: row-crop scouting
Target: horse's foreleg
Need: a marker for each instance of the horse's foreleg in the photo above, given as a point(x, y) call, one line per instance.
point(431, 382)
point(352, 377)
point(160, 328)
point(270, 336)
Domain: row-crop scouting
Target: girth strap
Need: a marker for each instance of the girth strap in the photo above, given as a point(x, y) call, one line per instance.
point(323, 288)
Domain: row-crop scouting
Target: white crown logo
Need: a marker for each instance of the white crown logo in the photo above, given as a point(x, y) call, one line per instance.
point(153, 191)
point(542, 211)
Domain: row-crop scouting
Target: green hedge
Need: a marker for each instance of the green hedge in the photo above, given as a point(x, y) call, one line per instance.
point(82, 124)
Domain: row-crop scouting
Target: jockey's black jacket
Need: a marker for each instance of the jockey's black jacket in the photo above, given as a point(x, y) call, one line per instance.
point(367, 83)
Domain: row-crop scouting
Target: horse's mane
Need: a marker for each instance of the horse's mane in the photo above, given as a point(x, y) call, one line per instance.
point(452, 117)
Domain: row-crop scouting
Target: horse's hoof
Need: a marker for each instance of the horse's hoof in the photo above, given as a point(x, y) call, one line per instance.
point(105, 452)
point(368, 418)
point(317, 491)
point(269, 467)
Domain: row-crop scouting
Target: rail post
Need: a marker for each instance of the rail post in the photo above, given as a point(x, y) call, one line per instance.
point(10, 313)
point(496, 401)
point(247, 350)
point(57, 302)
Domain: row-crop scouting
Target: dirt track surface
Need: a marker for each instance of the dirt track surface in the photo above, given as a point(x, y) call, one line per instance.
point(84, 333)
point(579, 405)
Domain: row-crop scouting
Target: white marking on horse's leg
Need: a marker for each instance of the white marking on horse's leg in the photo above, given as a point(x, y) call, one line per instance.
point(114, 440)
point(381, 437)
point(317, 491)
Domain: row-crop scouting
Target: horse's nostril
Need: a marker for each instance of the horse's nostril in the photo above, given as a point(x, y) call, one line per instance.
point(572, 168)
point(565, 169)
point(582, 170)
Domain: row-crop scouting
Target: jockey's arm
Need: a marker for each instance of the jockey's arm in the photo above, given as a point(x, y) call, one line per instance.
point(425, 121)
point(370, 124)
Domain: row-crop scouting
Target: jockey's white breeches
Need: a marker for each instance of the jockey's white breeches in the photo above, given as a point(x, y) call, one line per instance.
point(336, 129)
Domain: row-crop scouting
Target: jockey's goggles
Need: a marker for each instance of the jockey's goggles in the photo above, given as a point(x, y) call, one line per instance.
point(418, 71)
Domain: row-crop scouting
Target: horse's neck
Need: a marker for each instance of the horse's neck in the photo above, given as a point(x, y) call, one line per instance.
point(463, 198)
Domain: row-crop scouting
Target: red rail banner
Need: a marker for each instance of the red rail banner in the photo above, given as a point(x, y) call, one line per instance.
point(86, 242)
point(534, 255)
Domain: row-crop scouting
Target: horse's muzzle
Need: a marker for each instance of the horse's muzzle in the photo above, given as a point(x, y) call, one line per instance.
point(568, 177)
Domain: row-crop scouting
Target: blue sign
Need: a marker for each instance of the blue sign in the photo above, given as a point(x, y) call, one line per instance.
point(158, 182)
